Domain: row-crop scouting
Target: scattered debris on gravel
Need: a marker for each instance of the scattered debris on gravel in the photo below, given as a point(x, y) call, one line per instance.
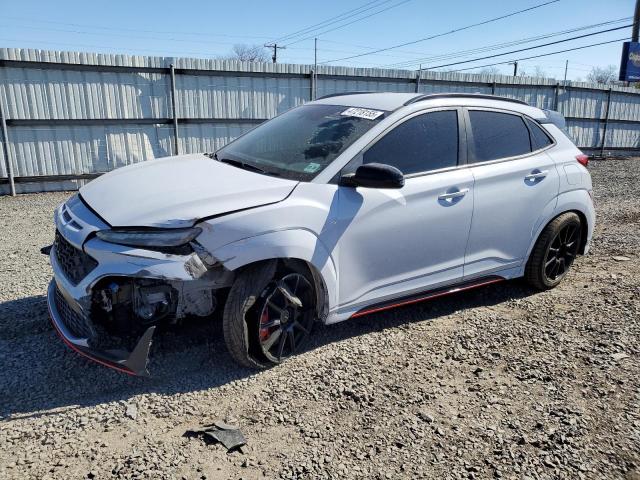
point(500, 382)
point(220, 432)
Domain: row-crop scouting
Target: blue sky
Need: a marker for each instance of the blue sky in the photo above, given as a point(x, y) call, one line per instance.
point(210, 28)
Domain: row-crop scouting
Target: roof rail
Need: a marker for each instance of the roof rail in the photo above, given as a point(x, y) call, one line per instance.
point(431, 96)
point(342, 94)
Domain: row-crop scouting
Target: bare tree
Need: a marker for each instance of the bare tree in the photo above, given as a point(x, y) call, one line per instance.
point(248, 53)
point(493, 70)
point(539, 72)
point(604, 75)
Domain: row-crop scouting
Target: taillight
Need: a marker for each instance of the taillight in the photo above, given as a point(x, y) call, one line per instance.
point(583, 159)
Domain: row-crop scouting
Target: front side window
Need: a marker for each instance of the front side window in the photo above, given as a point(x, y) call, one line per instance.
point(423, 143)
point(302, 142)
point(498, 135)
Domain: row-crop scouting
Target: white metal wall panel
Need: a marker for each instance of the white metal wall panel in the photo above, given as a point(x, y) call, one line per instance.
point(67, 150)
point(582, 103)
point(3, 169)
point(426, 87)
point(36, 93)
point(585, 133)
point(624, 135)
point(541, 97)
point(209, 137)
point(245, 91)
point(625, 107)
point(202, 96)
point(328, 86)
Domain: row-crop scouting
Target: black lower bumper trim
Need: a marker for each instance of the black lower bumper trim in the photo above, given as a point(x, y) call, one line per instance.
point(132, 363)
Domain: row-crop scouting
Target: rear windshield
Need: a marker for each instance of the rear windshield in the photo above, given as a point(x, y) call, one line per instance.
point(302, 142)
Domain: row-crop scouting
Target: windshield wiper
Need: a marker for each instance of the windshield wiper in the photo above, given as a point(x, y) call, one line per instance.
point(239, 164)
point(243, 165)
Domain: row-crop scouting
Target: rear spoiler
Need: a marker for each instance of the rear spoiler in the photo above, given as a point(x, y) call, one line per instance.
point(556, 118)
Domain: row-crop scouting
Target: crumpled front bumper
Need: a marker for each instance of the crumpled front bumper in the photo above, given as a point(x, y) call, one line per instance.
point(133, 363)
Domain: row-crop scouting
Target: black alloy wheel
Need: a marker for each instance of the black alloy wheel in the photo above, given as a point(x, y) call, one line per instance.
point(562, 252)
point(555, 251)
point(286, 316)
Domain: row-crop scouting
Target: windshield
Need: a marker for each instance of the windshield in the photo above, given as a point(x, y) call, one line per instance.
point(302, 142)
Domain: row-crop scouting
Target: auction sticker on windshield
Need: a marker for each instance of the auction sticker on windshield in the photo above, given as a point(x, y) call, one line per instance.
point(312, 167)
point(362, 113)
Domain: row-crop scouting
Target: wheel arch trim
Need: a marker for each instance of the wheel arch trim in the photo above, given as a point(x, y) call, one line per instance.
point(297, 244)
point(573, 201)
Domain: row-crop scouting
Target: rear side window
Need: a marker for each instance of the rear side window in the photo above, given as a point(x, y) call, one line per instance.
point(498, 135)
point(423, 143)
point(539, 139)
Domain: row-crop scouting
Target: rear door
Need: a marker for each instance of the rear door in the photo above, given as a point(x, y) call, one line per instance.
point(394, 241)
point(515, 180)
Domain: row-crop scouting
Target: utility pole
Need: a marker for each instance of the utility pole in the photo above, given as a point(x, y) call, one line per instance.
point(315, 54)
point(315, 68)
point(636, 23)
point(275, 47)
point(566, 67)
point(515, 67)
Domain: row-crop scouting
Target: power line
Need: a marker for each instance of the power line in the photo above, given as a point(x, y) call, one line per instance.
point(367, 47)
point(349, 23)
point(136, 30)
point(444, 33)
point(329, 21)
point(542, 55)
point(173, 39)
point(530, 48)
point(121, 35)
point(498, 46)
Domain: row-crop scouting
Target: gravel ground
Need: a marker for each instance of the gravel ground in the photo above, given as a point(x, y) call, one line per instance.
point(498, 382)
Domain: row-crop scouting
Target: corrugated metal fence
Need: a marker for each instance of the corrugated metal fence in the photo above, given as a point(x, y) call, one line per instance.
point(70, 116)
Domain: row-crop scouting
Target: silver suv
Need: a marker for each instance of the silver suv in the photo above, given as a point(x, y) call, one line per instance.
point(339, 208)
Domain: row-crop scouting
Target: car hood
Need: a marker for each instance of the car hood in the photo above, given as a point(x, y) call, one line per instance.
point(177, 191)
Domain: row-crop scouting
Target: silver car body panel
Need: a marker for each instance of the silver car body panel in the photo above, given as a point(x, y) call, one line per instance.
point(177, 191)
point(365, 245)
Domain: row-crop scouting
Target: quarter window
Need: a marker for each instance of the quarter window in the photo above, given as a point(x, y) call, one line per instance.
point(498, 135)
point(423, 143)
point(539, 139)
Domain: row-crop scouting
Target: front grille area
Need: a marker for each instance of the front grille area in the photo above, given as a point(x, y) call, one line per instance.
point(74, 262)
point(76, 323)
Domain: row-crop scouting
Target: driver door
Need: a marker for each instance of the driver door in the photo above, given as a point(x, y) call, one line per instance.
point(400, 241)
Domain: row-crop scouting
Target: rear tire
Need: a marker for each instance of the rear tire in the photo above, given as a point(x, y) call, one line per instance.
point(554, 252)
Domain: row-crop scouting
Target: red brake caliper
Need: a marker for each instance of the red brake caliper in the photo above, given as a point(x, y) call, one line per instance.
point(264, 319)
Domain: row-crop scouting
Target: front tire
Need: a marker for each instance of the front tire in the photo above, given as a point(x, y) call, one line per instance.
point(554, 252)
point(269, 313)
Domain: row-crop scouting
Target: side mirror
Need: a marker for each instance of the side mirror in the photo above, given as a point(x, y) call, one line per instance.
point(375, 175)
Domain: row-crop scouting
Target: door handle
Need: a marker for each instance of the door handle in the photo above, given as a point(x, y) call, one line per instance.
point(452, 195)
point(536, 175)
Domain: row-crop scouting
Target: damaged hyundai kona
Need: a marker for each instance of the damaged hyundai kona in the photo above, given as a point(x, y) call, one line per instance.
point(335, 209)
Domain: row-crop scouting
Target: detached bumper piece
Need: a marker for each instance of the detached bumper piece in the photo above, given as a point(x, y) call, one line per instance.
point(76, 332)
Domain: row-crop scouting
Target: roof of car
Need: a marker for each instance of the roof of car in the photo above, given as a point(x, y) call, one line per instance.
point(390, 101)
